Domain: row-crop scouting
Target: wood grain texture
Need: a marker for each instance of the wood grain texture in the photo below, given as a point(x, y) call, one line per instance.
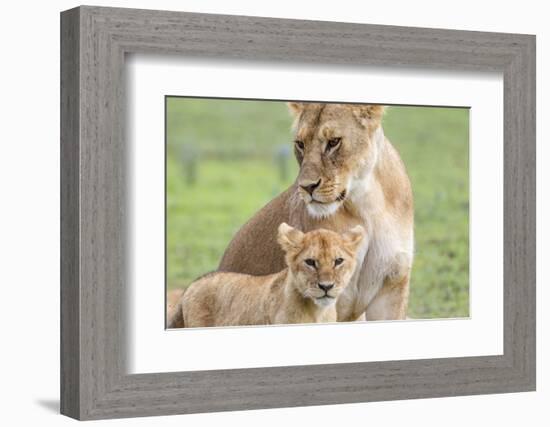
point(70, 264)
point(94, 270)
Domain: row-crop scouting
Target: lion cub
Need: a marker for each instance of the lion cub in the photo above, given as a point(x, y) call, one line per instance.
point(320, 265)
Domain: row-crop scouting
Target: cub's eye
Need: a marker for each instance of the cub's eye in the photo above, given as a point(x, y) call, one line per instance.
point(338, 261)
point(299, 145)
point(310, 262)
point(333, 143)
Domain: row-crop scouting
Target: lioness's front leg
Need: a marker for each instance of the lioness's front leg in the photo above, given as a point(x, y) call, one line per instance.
point(390, 303)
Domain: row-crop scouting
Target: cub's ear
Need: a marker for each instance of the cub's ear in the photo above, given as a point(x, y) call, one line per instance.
point(289, 238)
point(354, 237)
point(368, 115)
point(296, 108)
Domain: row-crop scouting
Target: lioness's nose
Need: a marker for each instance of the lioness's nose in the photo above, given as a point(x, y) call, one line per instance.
point(326, 286)
point(310, 186)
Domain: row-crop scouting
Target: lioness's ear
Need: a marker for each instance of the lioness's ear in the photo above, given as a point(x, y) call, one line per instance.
point(368, 115)
point(354, 237)
point(289, 238)
point(296, 108)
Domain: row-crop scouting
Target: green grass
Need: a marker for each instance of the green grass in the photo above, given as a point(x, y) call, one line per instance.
point(234, 144)
point(433, 143)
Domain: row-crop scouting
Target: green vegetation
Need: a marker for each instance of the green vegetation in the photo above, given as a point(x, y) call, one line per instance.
point(226, 159)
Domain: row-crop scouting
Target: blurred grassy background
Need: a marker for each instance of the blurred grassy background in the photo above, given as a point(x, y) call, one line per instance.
point(228, 158)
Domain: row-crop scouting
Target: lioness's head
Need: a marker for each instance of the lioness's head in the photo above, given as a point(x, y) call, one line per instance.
point(336, 146)
point(321, 261)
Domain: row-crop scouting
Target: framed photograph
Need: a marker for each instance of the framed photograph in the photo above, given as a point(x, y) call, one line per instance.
point(261, 213)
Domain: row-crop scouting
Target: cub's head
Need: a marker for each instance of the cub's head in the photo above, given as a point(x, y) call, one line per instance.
point(321, 261)
point(336, 146)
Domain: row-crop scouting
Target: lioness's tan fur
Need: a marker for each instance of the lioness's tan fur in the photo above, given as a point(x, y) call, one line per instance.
point(363, 181)
point(294, 295)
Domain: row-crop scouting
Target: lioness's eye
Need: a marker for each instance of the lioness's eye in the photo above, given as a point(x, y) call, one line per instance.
point(310, 262)
point(338, 261)
point(332, 143)
point(300, 145)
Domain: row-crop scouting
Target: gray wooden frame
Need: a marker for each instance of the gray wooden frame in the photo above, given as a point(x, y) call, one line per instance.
point(94, 41)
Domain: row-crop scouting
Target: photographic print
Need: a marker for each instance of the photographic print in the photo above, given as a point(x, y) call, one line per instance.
point(286, 212)
point(339, 179)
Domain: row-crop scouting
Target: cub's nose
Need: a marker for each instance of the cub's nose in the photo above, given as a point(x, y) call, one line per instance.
point(326, 286)
point(310, 186)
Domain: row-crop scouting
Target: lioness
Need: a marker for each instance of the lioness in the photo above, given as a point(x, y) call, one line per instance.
point(349, 174)
point(320, 265)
